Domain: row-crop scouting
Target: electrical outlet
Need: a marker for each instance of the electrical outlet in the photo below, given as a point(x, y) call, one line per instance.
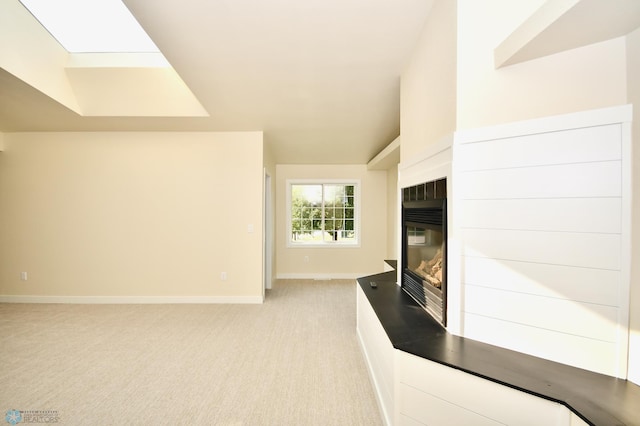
point(223, 276)
point(306, 259)
point(23, 276)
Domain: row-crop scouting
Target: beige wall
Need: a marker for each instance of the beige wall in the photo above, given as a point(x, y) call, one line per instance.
point(428, 83)
point(633, 80)
point(339, 262)
point(580, 79)
point(131, 214)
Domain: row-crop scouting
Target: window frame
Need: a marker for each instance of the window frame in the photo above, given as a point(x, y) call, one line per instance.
point(325, 244)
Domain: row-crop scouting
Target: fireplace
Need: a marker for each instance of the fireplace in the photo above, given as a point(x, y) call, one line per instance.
point(424, 246)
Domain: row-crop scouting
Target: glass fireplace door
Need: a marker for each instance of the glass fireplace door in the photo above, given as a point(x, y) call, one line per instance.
point(424, 253)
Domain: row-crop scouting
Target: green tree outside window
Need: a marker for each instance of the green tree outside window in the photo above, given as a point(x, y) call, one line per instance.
point(323, 213)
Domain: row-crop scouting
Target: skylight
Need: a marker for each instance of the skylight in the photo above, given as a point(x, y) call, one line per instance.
point(91, 26)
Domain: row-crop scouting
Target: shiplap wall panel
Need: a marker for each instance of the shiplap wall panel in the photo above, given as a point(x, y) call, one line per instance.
point(601, 251)
point(581, 180)
point(430, 410)
point(408, 421)
point(541, 222)
point(586, 285)
point(577, 421)
point(581, 352)
point(592, 144)
point(579, 318)
point(437, 395)
point(597, 215)
point(379, 353)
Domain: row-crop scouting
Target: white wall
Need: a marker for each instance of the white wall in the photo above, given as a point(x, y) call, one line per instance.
point(429, 393)
point(543, 223)
point(342, 262)
point(589, 77)
point(132, 215)
point(379, 355)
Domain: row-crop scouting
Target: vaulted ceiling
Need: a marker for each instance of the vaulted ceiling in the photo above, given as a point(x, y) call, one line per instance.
point(321, 78)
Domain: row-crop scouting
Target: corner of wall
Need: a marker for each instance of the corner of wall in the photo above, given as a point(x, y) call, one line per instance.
point(270, 257)
point(428, 88)
point(633, 97)
point(393, 224)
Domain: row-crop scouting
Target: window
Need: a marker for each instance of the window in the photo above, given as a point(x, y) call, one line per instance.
point(415, 236)
point(323, 213)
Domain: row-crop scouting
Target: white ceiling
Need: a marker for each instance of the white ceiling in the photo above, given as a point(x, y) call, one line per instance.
point(321, 78)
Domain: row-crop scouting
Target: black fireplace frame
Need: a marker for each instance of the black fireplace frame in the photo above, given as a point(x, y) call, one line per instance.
point(429, 214)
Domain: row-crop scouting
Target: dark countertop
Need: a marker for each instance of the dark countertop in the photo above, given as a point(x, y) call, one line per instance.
point(598, 399)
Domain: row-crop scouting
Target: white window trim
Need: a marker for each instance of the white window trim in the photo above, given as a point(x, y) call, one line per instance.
point(325, 244)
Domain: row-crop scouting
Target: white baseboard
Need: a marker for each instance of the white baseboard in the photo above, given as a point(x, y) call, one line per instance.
point(94, 300)
point(350, 276)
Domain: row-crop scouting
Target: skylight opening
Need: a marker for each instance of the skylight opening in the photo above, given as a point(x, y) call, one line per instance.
point(92, 26)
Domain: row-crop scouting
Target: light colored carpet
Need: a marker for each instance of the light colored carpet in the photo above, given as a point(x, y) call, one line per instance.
point(294, 360)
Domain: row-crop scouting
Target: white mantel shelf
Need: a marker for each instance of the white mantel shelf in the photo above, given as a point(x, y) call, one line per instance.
point(561, 25)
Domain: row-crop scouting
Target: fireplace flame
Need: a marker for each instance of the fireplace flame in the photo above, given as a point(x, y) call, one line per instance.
point(431, 270)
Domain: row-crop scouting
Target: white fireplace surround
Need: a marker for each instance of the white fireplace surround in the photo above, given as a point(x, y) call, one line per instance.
point(539, 217)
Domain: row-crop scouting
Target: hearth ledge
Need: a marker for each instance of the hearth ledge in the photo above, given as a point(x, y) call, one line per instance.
point(595, 398)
